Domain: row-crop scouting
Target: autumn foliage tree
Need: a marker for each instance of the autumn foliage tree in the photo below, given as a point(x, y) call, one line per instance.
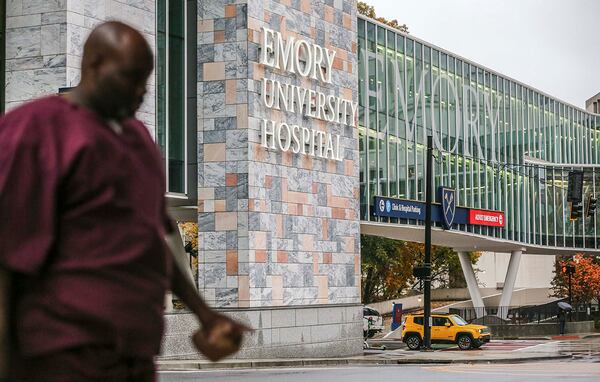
point(387, 267)
point(369, 11)
point(585, 282)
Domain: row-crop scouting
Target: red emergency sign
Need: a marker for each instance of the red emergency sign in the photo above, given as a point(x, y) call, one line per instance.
point(489, 218)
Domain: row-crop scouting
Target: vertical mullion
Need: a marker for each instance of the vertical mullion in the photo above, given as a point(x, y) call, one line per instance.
point(167, 108)
point(386, 135)
point(367, 116)
point(185, 98)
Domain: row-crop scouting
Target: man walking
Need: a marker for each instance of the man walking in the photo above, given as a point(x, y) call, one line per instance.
point(82, 226)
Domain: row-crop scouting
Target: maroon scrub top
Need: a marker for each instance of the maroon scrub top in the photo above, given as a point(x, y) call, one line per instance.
point(82, 221)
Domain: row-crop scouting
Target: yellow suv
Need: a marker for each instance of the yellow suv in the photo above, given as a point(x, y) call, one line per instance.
point(446, 328)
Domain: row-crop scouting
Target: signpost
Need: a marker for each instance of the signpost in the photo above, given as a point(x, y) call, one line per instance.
point(427, 262)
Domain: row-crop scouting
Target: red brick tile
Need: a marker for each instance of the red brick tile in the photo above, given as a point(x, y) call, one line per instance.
point(338, 213)
point(232, 262)
point(231, 180)
point(230, 10)
point(260, 256)
point(347, 21)
point(292, 209)
point(282, 257)
point(327, 258)
point(328, 14)
point(337, 63)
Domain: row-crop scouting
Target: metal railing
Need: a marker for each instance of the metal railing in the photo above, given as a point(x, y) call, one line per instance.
point(519, 315)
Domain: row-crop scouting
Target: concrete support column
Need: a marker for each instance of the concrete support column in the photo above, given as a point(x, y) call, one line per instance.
point(509, 283)
point(467, 267)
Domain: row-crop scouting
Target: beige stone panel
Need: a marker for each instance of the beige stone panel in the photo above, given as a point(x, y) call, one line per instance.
point(230, 93)
point(243, 289)
point(214, 152)
point(322, 283)
point(214, 71)
point(206, 193)
point(226, 221)
point(277, 290)
point(205, 25)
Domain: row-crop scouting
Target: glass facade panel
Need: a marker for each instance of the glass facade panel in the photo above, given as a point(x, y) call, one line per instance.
point(483, 126)
point(171, 90)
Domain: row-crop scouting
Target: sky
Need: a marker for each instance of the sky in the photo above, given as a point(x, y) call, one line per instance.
point(551, 45)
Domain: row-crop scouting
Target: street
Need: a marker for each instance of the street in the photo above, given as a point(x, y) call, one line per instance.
point(585, 366)
point(541, 371)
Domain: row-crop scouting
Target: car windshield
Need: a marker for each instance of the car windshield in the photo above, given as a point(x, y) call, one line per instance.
point(458, 320)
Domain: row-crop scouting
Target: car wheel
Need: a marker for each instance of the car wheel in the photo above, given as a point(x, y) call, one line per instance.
point(413, 342)
point(464, 342)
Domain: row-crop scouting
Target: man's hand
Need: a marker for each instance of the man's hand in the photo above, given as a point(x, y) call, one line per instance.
point(219, 337)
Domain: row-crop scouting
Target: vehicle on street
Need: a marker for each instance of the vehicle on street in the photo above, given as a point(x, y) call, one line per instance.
point(446, 328)
point(372, 322)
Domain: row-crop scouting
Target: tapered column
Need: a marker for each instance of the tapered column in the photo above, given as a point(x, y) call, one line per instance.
point(469, 273)
point(509, 283)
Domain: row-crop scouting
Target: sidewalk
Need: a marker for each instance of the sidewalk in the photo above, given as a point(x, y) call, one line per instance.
point(391, 357)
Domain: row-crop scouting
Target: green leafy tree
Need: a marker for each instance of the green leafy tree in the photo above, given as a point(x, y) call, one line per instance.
point(387, 267)
point(369, 11)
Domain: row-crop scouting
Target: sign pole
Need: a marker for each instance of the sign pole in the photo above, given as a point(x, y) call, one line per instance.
point(427, 289)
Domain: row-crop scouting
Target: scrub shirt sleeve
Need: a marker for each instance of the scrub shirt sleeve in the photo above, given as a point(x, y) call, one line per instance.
point(28, 195)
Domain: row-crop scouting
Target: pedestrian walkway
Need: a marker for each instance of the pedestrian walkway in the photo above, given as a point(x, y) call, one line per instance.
point(388, 357)
point(505, 345)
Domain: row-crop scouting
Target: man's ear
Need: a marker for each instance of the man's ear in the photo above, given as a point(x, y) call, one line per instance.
point(95, 62)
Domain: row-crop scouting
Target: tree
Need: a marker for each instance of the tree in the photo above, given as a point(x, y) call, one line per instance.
point(387, 267)
point(369, 11)
point(446, 271)
point(189, 233)
point(585, 282)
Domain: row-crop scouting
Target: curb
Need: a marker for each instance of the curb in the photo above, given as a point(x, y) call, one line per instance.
point(592, 335)
point(341, 361)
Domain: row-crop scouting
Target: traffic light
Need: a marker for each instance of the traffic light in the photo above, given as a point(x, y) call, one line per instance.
point(568, 269)
point(591, 206)
point(575, 186)
point(576, 210)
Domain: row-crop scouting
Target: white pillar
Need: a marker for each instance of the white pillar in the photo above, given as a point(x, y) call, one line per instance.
point(467, 267)
point(509, 283)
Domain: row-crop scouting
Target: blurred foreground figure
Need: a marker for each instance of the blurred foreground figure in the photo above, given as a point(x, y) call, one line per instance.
point(83, 259)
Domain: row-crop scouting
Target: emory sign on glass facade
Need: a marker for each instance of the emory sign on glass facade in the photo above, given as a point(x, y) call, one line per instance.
point(483, 125)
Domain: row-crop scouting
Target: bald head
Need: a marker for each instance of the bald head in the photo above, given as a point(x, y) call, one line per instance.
point(115, 67)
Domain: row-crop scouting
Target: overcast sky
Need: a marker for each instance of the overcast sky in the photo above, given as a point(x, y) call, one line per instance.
point(552, 45)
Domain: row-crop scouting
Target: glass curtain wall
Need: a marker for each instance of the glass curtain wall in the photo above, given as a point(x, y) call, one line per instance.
point(483, 125)
point(171, 90)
